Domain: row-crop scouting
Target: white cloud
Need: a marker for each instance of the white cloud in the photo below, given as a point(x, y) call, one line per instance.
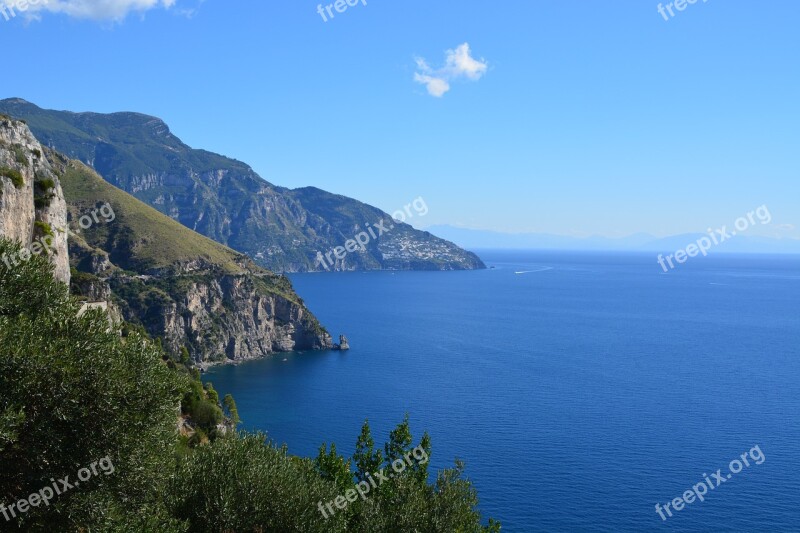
point(114, 10)
point(436, 86)
point(459, 63)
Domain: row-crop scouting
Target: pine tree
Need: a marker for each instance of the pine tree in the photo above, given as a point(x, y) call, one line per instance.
point(334, 467)
point(233, 411)
point(185, 357)
point(366, 458)
point(420, 468)
point(399, 442)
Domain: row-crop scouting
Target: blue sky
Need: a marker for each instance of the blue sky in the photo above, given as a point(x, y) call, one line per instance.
point(589, 118)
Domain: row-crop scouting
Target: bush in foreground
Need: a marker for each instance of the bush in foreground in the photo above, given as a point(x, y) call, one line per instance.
point(71, 393)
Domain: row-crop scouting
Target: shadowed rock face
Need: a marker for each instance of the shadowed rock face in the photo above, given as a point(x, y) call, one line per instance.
point(220, 318)
point(32, 206)
point(226, 200)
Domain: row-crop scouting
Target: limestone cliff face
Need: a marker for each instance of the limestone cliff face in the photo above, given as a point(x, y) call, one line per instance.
point(32, 205)
point(220, 317)
point(230, 319)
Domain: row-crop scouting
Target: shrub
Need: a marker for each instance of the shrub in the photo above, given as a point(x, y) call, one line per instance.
point(43, 228)
point(203, 408)
point(244, 484)
point(45, 184)
point(40, 202)
point(20, 156)
point(207, 415)
point(212, 395)
point(41, 191)
point(14, 175)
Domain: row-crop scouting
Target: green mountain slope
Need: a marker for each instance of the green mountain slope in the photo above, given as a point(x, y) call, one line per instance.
point(226, 200)
point(140, 238)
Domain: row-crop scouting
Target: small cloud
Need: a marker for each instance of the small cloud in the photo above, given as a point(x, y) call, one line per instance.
point(786, 227)
point(436, 86)
point(459, 64)
point(113, 10)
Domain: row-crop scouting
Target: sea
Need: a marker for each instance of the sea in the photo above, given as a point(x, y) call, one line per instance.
point(580, 389)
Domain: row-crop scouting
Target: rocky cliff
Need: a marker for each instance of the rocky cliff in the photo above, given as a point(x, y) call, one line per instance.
point(178, 285)
point(220, 317)
point(32, 206)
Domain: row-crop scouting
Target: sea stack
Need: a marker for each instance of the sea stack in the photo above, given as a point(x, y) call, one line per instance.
point(343, 344)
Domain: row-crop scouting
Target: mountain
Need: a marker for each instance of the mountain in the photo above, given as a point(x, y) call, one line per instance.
point(401, 247)
point(642, 242)
point(146, 268)
point(224, 199)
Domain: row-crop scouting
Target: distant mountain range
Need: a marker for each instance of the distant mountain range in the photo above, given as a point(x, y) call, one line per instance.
point(226, 200)
point(481, 239)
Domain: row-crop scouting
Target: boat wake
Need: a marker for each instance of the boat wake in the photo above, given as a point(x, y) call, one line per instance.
point(543, 269)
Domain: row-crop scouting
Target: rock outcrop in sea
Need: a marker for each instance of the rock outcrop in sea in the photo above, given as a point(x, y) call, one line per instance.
point(343, 345)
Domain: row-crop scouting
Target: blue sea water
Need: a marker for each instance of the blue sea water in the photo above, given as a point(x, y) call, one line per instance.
point(580, 389)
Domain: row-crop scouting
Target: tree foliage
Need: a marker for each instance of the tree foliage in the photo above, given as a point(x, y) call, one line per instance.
point(366, 459)
point(73, 392)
